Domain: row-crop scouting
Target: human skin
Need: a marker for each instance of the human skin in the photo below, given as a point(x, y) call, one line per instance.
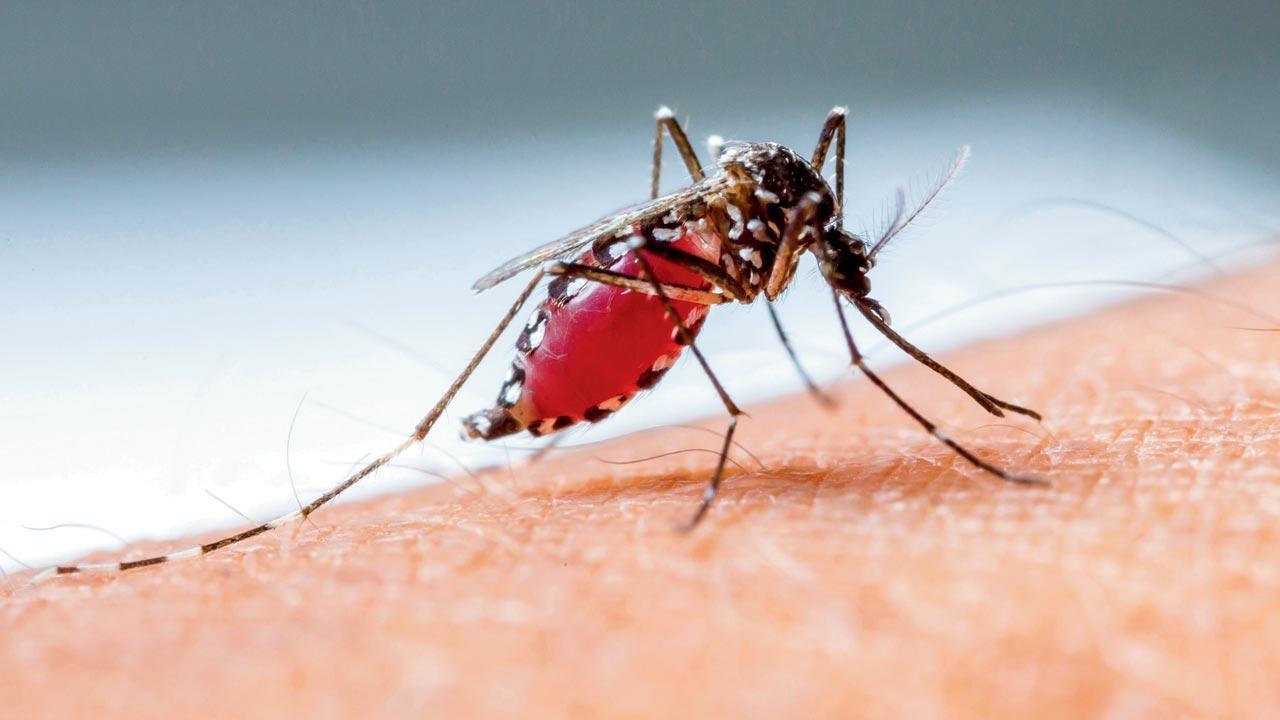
point(866, 571)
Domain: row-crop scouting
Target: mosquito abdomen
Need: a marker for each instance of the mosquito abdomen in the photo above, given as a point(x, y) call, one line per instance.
point(588, 348)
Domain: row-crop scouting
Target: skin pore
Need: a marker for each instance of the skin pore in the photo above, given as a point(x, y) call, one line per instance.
point(866, 571)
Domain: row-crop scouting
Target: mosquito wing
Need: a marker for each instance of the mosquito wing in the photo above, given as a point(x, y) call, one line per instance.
point(573, 243)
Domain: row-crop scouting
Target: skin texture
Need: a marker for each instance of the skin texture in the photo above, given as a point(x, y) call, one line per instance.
point(868, 571)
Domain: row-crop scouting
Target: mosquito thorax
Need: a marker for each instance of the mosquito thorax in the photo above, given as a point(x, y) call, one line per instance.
point(779, 174)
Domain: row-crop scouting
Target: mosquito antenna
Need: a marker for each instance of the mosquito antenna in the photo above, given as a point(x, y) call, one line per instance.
point(899, 222)
point(895, 218)
point(856, 357)
point(419, 433)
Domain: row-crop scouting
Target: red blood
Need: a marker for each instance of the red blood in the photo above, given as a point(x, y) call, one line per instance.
point(599, 343)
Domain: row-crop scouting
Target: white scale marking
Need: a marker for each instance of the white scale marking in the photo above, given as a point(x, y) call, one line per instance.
point(665, 361)
point(666, 235)
point(536, 329)
point(285, 519)
point(614, 403)
point(481, 424)
point(766, 196)
point(512, 385)
point(573, 288)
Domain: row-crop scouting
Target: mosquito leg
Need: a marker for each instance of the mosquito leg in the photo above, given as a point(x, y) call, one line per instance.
point(713, 487)
point(990, 403)
point(667, 121)
point(792, 243)
point(713, 274)
point(419, 433)
point(617, 279)
point(927, 424)
point(709, 271)
point(834, 125)
point(666, 293)
point(814, 390)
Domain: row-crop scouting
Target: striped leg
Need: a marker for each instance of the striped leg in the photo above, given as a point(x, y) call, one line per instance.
point(640, 285)
point(927, 424)
point(666, 292)
point(667, 121)
point(817, 393)
point(875, 314)
point(713, 487)
point(834, 126)
point(418, 435)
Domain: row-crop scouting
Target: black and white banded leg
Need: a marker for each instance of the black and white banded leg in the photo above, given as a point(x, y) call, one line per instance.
point(798, 233)
point(666, 292)
point(666, 121)
point(419, 433)
point(628, 282)
point(833, 127)
point(730, 406)
point(708, 270)
point(818, 394)
point(992, 404)
point(856, 357)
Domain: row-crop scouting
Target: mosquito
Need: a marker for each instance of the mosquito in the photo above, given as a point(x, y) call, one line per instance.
point(630, 292)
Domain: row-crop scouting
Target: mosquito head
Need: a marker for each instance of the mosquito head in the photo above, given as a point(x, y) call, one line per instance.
point(842, 257)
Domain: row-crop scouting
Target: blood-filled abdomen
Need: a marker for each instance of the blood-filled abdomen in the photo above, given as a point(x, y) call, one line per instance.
point(589, 347)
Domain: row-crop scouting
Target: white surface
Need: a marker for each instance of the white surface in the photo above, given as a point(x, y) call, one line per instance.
point(163, 317)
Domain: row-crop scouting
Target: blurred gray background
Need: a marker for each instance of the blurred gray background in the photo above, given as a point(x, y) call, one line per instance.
point(81, 80)
point(216, 218)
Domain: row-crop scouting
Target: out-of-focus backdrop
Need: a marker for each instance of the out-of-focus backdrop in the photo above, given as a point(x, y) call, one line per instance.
point(221, 221)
